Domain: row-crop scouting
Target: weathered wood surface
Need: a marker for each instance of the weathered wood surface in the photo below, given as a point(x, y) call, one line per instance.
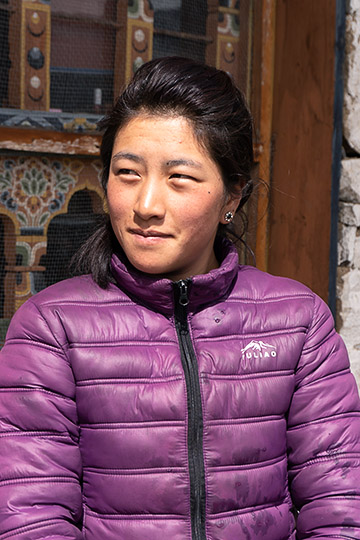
point(302, 142)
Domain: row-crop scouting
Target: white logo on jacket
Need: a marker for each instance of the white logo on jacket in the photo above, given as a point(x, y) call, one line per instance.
point(258, 349)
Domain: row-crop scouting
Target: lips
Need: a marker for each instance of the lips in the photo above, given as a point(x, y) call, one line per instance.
point(149, 233)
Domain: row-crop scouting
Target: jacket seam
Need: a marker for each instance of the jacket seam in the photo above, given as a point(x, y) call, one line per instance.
point(312, 318)
point(341, 537)
point(320, 343)
point(307, 331)
point(84, 518)
point(132, 517)
point(247, 420)
point(268, 299)
point(258, 375)
point(247, 510)
point(132, 380)
point(331, 457)
point(33, 343)
point(38, 308)
point(135, 472)
point(250, 335)
point(118, 343)
point(328, 376)
point(39, 479)
point(251, 465)
point(59, 302)
point(333, 417)
point(131, 425)
point(35, 389)
point(31, 527)
point(33, 434)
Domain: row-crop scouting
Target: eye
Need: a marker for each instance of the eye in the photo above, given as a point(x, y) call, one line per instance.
point(129, 175)
point(127, 172)
point(182, 176)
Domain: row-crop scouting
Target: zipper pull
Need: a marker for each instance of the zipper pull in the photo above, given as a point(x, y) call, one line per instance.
point(183, 298)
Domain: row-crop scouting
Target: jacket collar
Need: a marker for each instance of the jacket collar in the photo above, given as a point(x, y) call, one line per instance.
point(158, 293)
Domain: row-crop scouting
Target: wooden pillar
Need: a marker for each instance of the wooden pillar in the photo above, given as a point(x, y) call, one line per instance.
point(120, 47)
point(264, 129)
point(211, 30)
point(29, 43)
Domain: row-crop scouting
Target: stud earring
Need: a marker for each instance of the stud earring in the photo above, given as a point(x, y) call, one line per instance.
point(229, 216)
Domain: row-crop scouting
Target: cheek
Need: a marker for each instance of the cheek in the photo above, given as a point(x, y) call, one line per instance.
point(212, 206)
point(202, 219)
point(115, 210)
point(117, 202)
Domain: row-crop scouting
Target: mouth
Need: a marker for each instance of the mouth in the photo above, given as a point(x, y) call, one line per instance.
point(149, 233)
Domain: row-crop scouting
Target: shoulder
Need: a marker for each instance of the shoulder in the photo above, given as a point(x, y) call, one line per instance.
point(282, 306)
point(254, 284)
point(82, 289)
point(48, 314)
point(282, 301)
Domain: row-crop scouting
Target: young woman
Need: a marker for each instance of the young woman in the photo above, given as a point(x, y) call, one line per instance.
point(171, 393)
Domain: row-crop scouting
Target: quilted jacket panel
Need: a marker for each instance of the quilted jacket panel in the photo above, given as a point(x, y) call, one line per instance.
point(94, 412)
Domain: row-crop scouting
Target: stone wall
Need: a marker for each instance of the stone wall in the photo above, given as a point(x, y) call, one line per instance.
point(348, 276)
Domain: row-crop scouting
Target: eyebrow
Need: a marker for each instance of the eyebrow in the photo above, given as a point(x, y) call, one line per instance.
point(127, 155)
point(186, 162)
point(170, 163)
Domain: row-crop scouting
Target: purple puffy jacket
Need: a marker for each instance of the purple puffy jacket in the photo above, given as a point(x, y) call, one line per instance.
point(218, 408)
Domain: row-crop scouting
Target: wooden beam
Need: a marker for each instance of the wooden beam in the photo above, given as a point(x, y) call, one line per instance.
point(49, 142)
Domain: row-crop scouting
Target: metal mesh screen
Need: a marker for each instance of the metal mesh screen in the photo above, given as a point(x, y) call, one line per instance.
point(70, 49)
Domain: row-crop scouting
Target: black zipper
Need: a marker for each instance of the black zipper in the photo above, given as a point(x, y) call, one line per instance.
point(195, 418)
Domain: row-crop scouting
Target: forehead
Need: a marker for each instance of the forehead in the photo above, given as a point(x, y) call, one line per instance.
point(159, 129)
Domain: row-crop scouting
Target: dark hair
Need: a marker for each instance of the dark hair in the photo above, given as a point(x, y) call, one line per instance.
point(209, 99)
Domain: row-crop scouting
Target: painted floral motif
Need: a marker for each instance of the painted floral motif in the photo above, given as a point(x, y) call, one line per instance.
point(34, 188)
point(6, 189)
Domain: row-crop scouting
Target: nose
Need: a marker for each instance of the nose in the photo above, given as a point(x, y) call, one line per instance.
point(150, 202)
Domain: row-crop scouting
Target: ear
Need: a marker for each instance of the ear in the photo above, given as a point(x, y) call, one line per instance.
point(231, 205)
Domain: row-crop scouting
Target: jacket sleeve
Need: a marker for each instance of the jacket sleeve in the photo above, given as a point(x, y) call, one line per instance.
point(40, 465)
point(324, 436)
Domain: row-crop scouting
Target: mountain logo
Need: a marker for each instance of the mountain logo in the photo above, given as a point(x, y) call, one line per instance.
point(258, 349)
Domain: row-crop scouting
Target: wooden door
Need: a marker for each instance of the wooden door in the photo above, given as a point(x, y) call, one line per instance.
point(302, 132)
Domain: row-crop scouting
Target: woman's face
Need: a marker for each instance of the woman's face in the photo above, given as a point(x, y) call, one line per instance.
point(166, 197)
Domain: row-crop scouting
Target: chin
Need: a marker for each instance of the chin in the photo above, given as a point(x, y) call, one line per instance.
point(148, 268)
